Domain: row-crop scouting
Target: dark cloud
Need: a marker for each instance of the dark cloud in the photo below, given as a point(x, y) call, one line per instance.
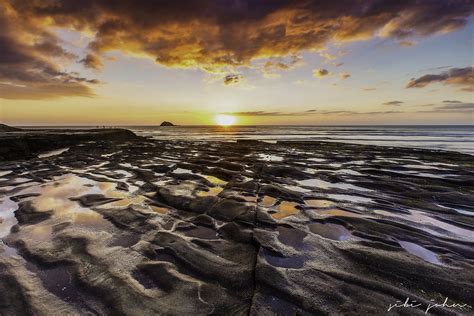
point(211, 35)
point(459, 77)
point(29, 58)
point(320, 72)
point(232, 79)
point(273, 66)
point(452, 101)
point(393, 103)
point(457, 106)
point(92, 61)
point(406, 43)
point(345, 75)
point(453, 107)
point(217, 33)
point(264, 113)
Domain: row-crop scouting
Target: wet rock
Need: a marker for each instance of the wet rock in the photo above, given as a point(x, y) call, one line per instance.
point(28, 214)
point(242, 234)
point(166, 123)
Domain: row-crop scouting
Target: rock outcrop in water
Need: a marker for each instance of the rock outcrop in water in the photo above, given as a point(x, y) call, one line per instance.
point(155, 227)
point(166, 123)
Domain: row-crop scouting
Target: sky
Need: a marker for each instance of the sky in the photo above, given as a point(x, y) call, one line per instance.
point(137, 62)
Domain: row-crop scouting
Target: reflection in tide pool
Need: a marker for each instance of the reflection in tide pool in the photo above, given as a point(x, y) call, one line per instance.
point(53, 153)
point(330, 231)
point(422, 218)
point(420, 252)
point(7, 215)
point(285, 209)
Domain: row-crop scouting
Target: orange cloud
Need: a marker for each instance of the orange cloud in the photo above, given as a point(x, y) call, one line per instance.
point(215, 36)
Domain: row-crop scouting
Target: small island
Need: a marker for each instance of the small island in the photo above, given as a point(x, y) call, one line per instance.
point(166, 123)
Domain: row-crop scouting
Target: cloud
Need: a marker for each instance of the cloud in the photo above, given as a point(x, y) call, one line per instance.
point(393, 103)
point(308, 112)
point(29, 62)
point(451, 101)
point(273, 66)
point(92, 61)
point(369, 89)
point(406, 43)
point(345, 75)
point(43, 91)
point(262, 113)
point(463, 78)
point(443, 108)
point(457, 106)
point(232, 79)
point(452, 107)
point(320, 73)
point(215, 36)
point(214, 33)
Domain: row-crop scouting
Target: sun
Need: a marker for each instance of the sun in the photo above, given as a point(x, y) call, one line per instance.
point(224, 120)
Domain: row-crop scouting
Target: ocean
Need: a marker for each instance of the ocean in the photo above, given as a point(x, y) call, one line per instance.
point(458, 138)
point(453, 138)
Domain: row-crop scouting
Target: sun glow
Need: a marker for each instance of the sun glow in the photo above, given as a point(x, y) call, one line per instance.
point(225, 120)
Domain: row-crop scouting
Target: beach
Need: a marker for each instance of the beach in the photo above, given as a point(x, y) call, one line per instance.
point(103, 222)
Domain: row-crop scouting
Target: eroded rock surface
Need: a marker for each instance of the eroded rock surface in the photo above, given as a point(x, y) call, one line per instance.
point(160, 227)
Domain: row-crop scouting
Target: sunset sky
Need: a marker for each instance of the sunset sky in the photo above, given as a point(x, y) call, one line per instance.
point(103, 62)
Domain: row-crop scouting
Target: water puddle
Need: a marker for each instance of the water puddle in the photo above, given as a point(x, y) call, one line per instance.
point(20, 180)
point(7, 216)
point(125, 202)
point(268, 157)
point(297, 188)
point(214, 180)
point(420, 252)
point(181, 171)
point(316, 159)
point(158, 209)
point(350, 198)
point(4, 173)
point(349, 172)
point(342, 213)
point(53, 153)
point(124, 173)
point(201, 232)
point(457, 210)
point(317, 183)
point(330, 231)
point(211, 192)
point(291, 237)
point(320, 203)
point(277, 260)
point(285, 209)
point(185, 188)
point(422, 218)
point(268, 201)
point(125, 240)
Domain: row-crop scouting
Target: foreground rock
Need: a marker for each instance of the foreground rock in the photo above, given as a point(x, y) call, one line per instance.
point(28, 143)
point(155, 227)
